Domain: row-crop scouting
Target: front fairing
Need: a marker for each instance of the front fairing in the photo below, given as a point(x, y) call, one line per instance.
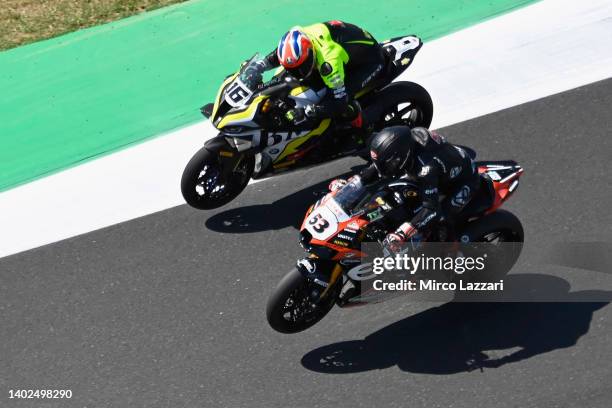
point(332, 228)
point(236, 91)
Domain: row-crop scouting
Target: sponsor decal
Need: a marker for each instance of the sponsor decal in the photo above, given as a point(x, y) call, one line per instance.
point(383, 203)
point(424, 171)
point(310, 266)
point(426, 220)
point(494, 175)
point(398, 198)
point(374, 215)
point(441, 163)
point(372, 76)
point(223, 153)
point(410, 193)
point(280, 137)
point(461, 151)
point(361, 272)
point(353, 225)
point(460, 199)
point(455, 171)
point(344, 236)
point(341, 243)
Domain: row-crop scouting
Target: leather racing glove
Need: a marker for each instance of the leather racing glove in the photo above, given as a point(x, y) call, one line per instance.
point(254, 73)
point(394, 241)
point(296, 115)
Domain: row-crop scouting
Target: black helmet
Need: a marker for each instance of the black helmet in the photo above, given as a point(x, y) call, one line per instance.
point(391, 151)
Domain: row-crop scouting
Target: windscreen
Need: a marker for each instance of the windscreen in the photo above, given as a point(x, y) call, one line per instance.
point(241, 89)
point(251, 81)
point(351, 194)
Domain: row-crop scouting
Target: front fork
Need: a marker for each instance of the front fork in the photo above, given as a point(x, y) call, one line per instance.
point(323, 273)
point(229, 159)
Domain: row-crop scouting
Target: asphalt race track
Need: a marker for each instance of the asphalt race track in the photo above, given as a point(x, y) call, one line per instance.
point(168, 310)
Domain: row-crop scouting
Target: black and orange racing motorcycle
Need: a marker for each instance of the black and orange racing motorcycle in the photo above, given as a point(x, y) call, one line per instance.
point(336, 226)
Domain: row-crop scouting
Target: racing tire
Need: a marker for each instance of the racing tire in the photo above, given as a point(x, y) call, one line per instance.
point(404, 92)
point(285, 292)
point(501, 221)
point(492, 229)
point(229, 178)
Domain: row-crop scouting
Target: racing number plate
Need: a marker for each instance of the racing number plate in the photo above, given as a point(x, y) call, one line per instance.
point(322, 224)
point(237, 93)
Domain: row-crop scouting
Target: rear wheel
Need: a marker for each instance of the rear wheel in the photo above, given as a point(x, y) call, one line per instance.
point(293, 306)
point(501, 234)
point(500, 226)
point(405, 103)
point(209, 181)
point(400, 103)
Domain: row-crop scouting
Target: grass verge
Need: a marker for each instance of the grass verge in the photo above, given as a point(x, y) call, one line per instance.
point(26, 21)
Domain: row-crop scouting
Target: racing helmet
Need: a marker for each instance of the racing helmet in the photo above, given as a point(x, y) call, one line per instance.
point(296, 54)
point(391, 151)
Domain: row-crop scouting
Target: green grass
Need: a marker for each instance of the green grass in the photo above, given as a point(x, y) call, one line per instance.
point(26, 21)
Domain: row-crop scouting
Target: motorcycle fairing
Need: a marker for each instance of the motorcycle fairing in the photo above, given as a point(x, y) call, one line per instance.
point(290, 148)
point(242, 115)
point(303, 95)
point(505, 177)
point(239, 124)
point(402, 50)
point(220, 94)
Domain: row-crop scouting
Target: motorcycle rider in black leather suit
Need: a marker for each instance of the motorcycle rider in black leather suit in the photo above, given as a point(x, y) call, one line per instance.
point(437, 166)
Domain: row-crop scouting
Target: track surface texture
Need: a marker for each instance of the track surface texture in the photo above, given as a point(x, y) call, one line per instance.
point(168, 309)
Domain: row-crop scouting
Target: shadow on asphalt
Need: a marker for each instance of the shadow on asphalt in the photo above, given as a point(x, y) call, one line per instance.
point(458, 337)
point(288, 211)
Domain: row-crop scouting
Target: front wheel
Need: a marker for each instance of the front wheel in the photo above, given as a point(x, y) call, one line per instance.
point(293, 306)
point(210, 181)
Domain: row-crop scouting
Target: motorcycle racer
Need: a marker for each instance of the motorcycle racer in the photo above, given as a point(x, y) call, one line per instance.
point(340, 56)
point(438, 167)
